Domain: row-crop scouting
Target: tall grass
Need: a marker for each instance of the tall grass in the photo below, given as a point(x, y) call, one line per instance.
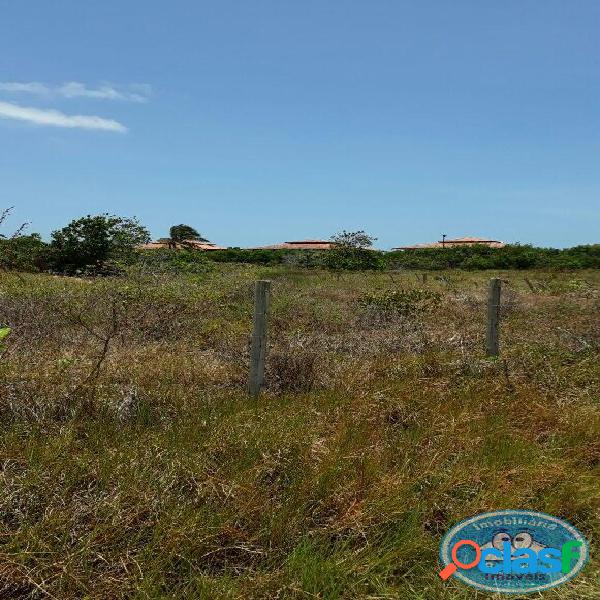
point(133, 465)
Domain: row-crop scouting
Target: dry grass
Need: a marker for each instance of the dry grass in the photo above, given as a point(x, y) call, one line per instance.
point(132, 464)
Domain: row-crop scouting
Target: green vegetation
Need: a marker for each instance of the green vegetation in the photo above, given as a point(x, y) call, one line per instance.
point(510, 257)
point(19, 251)
point(105, 245)
point(133, 464)
point(470, 258)
point(23, 253)
point(170, 261)
point(180, 233)
point(353, 252)
point(92, 244)
point(254, 257)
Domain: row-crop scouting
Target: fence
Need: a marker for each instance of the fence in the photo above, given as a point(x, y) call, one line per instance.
point(258, 349)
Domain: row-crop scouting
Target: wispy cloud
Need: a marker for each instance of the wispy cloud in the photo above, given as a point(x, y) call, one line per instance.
point(56, 118)
point(28, 88)
point(104, 92)
point(139, 92)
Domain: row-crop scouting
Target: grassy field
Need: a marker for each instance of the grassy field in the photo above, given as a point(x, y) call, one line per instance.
point(134, 465)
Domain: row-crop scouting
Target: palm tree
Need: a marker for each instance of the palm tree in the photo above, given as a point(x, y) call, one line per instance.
point(179, 234)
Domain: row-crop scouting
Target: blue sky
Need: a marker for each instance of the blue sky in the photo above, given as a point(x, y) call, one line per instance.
point(264, 121)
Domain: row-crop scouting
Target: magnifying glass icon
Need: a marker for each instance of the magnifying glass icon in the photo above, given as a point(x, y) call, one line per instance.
point(457, 564)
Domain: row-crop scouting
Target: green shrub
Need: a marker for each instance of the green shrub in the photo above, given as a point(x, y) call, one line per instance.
point(173, 261)
point(24, 253)
point(298, 258)
point(352, 251)
point(480, 257)
point(355, 259)
point(255, 257)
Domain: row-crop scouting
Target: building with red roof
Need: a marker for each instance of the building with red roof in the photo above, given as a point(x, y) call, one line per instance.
point(185, 244)
point(299, 245)
point(454, 242)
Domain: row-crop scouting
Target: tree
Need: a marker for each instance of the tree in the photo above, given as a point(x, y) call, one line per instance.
point(352, 251)
point(180, 233)
point(353, 240)
point(20, 252)
point(23, 253)
point(4, 214)
point(90, 243)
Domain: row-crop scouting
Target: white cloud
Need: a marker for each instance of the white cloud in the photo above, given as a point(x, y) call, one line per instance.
point(56, 118)
point(137, 92)
point(104, 92)
point(29, 88)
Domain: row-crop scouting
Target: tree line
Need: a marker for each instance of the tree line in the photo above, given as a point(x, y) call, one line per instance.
point(109, 245)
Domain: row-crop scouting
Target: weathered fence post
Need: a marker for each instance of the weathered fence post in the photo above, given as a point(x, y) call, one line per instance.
point(492, 347)
point(258, 348)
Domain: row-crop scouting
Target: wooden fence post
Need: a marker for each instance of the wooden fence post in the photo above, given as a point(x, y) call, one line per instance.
point(493, 318)
point(258, 348)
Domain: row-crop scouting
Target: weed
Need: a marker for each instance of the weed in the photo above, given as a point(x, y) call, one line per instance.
point(133, 464)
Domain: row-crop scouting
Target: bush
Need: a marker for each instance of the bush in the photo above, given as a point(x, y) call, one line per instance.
point(352, 252)
point(356, 259)
point(173, 261)
point(480, 257)
point(240, 255)
point(299, 258)
point(23, 253)
point(19, 252)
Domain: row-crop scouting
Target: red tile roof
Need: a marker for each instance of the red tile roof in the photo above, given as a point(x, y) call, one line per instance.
point(299, 245)
point(166, 243)
point(449, 243)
